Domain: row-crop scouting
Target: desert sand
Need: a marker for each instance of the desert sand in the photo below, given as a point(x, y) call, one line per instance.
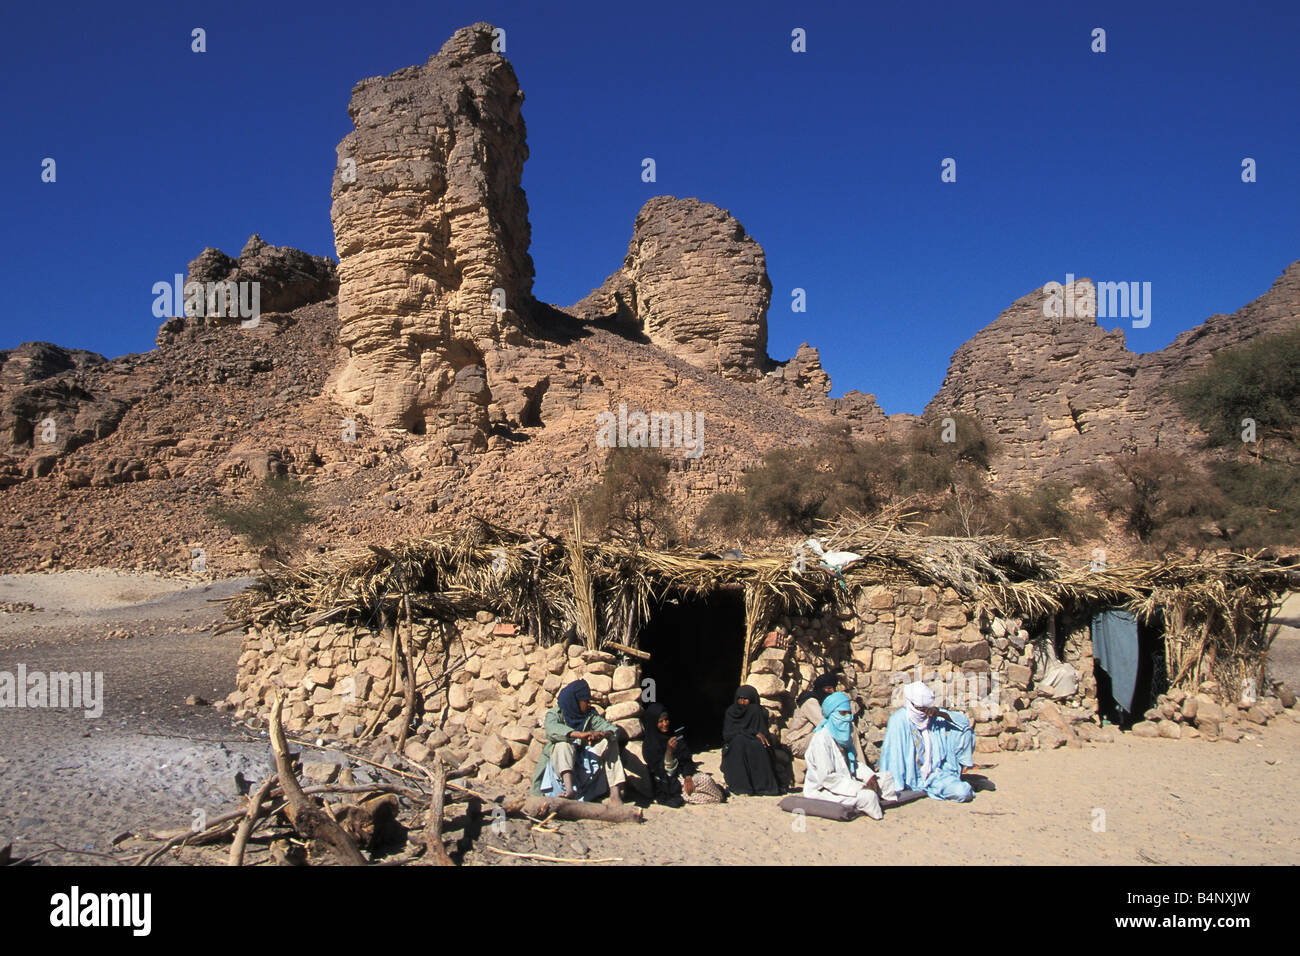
point(153, 760)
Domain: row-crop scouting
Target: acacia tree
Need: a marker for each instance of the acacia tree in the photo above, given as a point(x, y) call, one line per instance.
point(630, 500)
point(1160, 497)
point(272, 521)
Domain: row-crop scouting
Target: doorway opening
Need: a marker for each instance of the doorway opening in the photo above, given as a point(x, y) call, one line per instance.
point(696, 645)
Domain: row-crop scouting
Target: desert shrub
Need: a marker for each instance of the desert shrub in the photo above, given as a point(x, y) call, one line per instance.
point(795, 488)
point(940, 455)
point(1159, 497)
point(964, 511)
point(1045, 512)
point(1259, 381)
point(1261, 503)
point(272, 521)
point(630, 500)
point(729, 512)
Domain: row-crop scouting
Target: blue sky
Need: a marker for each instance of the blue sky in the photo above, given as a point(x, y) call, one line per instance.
point(1124, 165)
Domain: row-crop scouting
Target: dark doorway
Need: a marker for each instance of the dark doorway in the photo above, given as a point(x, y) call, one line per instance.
point(695, 647)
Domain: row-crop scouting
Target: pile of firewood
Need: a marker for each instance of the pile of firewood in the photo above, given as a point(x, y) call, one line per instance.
point(350, 824)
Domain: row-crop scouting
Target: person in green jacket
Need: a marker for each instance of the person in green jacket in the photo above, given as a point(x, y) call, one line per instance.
point(581, 757)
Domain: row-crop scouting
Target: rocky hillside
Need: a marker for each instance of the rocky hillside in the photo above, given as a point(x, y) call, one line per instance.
point(418, 382)
point(1061, 393)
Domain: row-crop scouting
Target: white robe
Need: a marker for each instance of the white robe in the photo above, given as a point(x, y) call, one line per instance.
point(828, 778)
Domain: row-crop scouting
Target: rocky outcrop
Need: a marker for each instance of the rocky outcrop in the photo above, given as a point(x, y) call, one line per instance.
point(33, 361)
point(1060, 393)
point(285, 279)
point(431, 227)
point(695, 283)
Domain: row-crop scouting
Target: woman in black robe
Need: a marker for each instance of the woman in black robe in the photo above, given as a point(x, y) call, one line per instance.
point(747, 749)
point(666, 757)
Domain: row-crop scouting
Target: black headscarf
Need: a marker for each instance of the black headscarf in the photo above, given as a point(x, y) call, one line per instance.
point(655, 743)
point(746, 720)
point(821, 689)
point(568, 701)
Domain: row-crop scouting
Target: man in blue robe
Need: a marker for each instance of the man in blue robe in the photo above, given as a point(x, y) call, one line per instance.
point(928, 749)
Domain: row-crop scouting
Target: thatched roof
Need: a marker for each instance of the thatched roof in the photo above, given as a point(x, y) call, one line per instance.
point(532, 577)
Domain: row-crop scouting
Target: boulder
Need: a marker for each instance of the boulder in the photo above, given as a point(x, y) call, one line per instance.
point(495, 751)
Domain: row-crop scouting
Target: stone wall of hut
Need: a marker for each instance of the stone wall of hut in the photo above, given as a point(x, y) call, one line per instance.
point(986, 667)
point(485, 686)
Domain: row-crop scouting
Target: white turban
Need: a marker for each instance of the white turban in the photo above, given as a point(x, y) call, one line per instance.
point(917, 696)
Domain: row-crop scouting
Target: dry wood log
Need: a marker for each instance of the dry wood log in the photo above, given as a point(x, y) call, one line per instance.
point(246, 824)
point(408, 676)
point(433, 822)
point(372, 822)
point(550, 859)
point(575, 810)
point(311, 822)
point(630, 651)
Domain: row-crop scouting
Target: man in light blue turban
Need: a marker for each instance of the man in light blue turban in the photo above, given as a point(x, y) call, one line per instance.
point(834, 772)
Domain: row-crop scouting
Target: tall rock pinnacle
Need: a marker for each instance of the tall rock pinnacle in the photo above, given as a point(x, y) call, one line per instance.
point(431, 228)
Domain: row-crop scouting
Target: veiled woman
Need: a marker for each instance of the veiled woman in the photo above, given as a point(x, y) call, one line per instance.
point(747, 764)
point(674, 775)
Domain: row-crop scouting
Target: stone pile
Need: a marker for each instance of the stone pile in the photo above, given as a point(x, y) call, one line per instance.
point(1180, 714)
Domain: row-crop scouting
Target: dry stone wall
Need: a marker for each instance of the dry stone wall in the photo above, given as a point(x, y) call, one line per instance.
point(485, 688)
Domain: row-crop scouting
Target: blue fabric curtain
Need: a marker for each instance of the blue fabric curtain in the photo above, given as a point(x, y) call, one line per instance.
point(1115, 645)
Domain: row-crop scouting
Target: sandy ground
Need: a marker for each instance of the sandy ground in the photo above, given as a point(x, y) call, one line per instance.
point(151, 760)
point(79, 781)
point(1174, 802)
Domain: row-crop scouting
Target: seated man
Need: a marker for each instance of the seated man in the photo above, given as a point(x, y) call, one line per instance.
point(928, 749)
point(581, 758)
point(675, 777)
point(808, 714)
point(836, 770)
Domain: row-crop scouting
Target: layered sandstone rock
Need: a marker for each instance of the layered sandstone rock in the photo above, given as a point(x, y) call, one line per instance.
point(431, 227)
point(695, 283)
point(33, 361)
point(1061, 393)
point(285, 279)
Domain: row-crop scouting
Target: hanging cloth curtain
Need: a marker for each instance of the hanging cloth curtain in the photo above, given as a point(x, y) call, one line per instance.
point(1115, 645)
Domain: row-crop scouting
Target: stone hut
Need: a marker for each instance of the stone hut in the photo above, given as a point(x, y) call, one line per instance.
point(460, 643)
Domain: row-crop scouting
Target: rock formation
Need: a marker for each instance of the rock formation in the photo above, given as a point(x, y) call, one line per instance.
point(415, 397)
point(695, 283)
point(1060, 393)
point(33, 361)
point(431, 227)
point(285, 279)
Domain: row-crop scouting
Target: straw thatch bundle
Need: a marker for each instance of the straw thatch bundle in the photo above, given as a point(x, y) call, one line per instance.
point(1214, 608)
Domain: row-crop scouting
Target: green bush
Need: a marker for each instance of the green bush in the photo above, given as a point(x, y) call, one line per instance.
point(1259, 381)
point(1261, 503)
point(273, 521)
point(630, 500)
